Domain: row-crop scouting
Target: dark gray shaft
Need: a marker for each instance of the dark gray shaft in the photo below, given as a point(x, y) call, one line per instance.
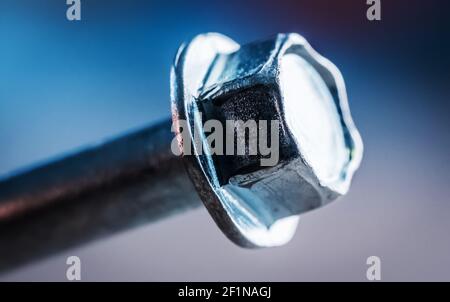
point(127, 182)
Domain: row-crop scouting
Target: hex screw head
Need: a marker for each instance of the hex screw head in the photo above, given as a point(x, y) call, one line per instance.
point(281, 79)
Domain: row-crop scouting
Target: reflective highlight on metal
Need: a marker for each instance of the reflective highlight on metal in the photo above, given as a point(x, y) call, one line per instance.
point(283, 79)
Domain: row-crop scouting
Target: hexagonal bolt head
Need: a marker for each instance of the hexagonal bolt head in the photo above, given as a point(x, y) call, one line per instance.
point(281, 79)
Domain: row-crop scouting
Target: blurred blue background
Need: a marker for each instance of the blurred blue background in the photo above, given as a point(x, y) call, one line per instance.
point(65, 85)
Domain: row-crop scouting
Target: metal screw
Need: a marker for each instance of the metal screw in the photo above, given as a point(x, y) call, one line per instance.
point(136, 179)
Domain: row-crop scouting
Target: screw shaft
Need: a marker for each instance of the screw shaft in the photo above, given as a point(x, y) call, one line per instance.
point(129, 181)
